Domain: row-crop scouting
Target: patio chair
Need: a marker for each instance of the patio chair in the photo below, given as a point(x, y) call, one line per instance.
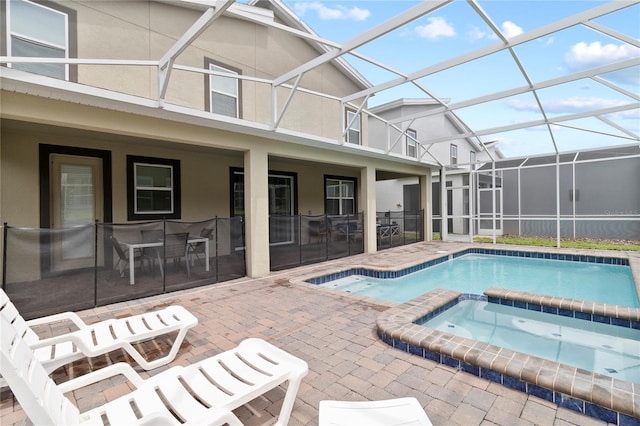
point(199, 248)
point(175, 247)
point(103, 337)
point(123, 256)
point(203, 393)
point(149, 253)
point(400, 411)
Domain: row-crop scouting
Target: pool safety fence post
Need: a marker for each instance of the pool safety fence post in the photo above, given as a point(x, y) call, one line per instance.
point(216, 245)
point(404, 226)
point(5, 230)
point(164, 254)
point(299, 239)
point(327, 235)
point(95, 264)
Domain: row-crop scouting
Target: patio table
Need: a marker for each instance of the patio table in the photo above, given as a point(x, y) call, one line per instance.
point(132, 246)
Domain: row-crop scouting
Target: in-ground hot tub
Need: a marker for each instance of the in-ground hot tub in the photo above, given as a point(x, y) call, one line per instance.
point(604, 397)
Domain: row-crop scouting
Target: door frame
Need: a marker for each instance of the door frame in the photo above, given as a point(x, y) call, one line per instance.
point(45, 151)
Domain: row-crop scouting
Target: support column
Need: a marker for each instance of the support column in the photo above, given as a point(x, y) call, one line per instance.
point(368, 197)
point(444, 208)
point(256, 204)
point(426, 205)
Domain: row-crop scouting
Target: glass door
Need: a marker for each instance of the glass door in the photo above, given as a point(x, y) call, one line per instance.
point(76, 194)
point(281, 208)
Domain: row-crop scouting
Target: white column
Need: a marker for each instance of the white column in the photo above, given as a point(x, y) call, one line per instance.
point(256, 204)
point(444, 225)
point(426, 205)
point(368, 197)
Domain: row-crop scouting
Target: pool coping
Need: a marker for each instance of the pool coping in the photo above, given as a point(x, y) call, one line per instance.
point(603, 397)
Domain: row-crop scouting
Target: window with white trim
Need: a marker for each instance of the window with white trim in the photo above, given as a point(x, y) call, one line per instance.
point(340, 195)
point(224, 92)
point(34, 30)
point(353, 130)
point(153, 188)
point(412, 143)
point(454, 154)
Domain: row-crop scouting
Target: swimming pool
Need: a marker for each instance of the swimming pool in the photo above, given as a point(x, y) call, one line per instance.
point(595, 279)
point(602, 348)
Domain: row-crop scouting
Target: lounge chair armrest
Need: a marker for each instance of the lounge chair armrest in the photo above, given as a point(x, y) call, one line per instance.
point(54, 340)
point(103, 374)
point(64, 316)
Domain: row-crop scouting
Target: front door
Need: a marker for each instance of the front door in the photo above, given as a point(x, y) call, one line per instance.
point(76, 203)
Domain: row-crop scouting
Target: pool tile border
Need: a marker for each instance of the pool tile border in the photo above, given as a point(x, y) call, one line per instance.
point(620, 313)
point(373, 273)
point(603, 397)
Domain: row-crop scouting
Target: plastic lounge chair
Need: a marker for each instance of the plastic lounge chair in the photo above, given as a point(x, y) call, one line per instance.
point(103, 337)
point(203, 393)
point(400, 411)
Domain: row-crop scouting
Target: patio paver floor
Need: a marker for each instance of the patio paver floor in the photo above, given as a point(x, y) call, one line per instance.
point(334, 332)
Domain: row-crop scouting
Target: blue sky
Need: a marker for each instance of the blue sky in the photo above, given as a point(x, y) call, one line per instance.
point(456, 29)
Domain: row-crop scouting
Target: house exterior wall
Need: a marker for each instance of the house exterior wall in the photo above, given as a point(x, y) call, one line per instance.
point(140, 30)
point(427, 128)
point(145, 30)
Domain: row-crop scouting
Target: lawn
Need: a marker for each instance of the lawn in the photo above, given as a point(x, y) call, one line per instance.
point(566, 243)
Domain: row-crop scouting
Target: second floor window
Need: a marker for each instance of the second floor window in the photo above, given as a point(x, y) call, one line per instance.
point(224, 92)
point(34, 30)
point(454, 154)
point(412, 143)
point(353, 130)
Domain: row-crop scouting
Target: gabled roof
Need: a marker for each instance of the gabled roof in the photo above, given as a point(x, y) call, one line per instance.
point(284, 13)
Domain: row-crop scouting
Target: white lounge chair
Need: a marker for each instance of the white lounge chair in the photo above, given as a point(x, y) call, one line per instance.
point(203, 393)
point(92, 340)
point(400, 411)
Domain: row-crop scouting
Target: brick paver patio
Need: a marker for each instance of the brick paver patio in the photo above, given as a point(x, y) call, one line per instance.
point(334, 332)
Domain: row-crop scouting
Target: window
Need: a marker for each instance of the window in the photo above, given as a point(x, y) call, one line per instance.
point(412, 141)
point(454, 154)
point(353, 130)
point(340, 195)
point(153, 188)
point(223, 93)
point(35, 30)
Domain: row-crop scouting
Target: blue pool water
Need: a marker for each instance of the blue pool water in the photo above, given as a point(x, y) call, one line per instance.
point(601, 348)
point(475, 273)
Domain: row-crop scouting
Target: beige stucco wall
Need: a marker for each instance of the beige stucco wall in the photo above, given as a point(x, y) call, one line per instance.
point(205, 154)
point(143, 30)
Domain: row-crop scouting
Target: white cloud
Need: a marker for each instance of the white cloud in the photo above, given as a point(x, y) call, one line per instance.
point(332, 13)
point(476, 33)
point(509, 29)
point(587, 55)
point(435, 29)
point(584, 55)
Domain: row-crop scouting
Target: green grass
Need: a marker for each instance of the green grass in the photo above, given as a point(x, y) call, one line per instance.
point(566, 243)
